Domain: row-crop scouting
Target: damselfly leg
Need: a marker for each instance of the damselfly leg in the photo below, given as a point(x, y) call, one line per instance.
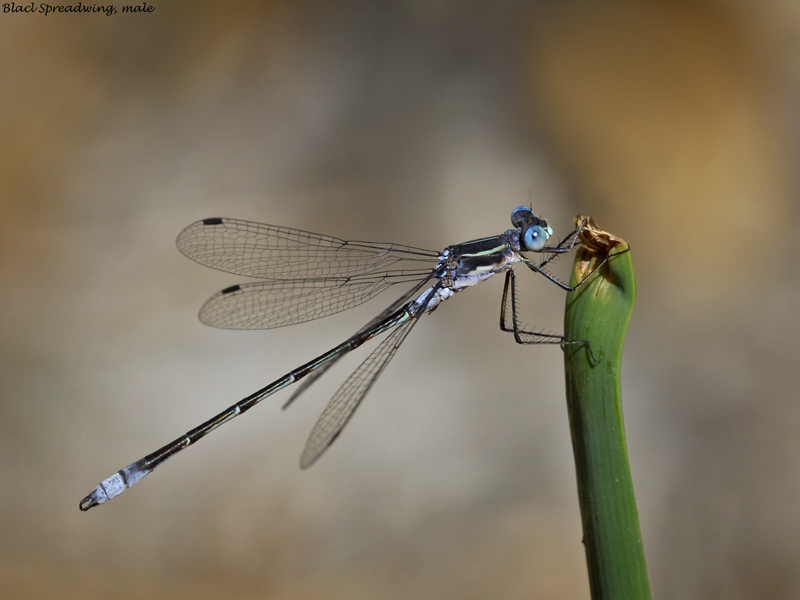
point(525, 337)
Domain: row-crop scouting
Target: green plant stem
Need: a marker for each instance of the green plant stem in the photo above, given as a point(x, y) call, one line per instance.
point(599, 311)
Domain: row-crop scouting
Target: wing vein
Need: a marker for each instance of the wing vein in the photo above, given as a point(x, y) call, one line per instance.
point(348, 397)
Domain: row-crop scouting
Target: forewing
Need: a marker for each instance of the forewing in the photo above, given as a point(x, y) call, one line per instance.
point(274, 252)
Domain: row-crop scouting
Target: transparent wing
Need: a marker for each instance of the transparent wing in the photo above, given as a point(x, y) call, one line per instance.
point(270, 304)
point(369, 330)
point(349, 396)
point(273, 252)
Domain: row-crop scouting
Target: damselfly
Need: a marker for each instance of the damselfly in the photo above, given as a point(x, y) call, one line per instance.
point(308, 276)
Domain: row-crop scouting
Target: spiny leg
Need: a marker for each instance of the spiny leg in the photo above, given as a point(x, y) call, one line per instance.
point(538, 269)
point(533, 337)
point(564, 245)
point(538, 338)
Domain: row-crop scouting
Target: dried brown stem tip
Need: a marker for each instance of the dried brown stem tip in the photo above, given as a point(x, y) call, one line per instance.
point(594, 237)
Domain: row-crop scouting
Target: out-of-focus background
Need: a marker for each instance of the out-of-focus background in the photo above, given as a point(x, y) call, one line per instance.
point(423, 123)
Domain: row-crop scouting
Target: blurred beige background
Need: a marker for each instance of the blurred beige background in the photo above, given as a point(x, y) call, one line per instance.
point(423, 123)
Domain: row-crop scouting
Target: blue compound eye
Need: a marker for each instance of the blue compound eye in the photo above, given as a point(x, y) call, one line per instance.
point(534, 238)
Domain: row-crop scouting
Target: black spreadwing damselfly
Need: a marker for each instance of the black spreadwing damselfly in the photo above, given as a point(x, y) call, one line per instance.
point(308, 276)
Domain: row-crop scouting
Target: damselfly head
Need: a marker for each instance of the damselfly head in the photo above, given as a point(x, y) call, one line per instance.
point(534, 230)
